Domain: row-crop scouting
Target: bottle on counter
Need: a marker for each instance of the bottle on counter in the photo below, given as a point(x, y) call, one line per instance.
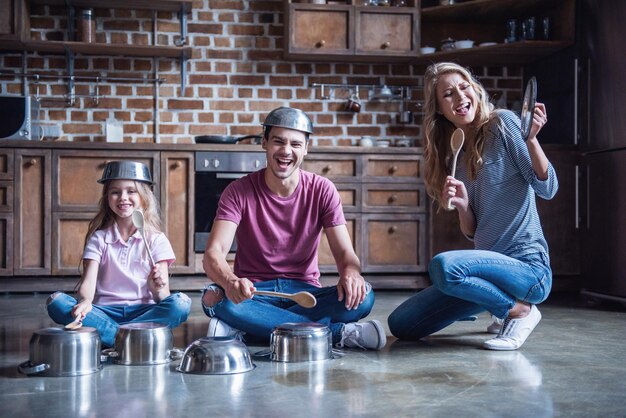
point(87, 26)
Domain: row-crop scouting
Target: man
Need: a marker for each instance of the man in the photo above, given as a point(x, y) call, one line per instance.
point(277, 215)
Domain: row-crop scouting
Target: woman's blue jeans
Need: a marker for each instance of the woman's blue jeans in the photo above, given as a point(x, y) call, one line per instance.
point(257, 317)
point(467, 282)
point(171, 311)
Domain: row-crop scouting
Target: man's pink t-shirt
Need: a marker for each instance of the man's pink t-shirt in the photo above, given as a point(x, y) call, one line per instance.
point(125, 266)
point(277, 237)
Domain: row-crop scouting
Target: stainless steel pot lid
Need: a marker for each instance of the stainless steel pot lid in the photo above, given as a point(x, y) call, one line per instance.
point(528, 107)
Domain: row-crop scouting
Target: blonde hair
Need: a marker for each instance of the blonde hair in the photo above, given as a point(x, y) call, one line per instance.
point(106, 217)
point(438, 129)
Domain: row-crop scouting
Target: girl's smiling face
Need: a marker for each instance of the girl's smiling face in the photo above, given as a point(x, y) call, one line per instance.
point(123, 197)
point(456, 99)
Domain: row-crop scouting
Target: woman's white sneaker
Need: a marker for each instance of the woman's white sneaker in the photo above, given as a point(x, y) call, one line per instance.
point(368, 335)
point(495, 326)
point(514, 331)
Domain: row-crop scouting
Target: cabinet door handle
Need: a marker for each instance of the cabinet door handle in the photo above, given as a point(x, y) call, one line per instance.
point(392, 198)
point(392, 229)
point(177, 164)
point(385, 45)
point(393, 169)
point(320, 43)
point(327, 169)
point(32, 162)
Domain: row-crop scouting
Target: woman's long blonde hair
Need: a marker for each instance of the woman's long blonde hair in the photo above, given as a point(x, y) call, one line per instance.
point(106, 217)
point(438, 129)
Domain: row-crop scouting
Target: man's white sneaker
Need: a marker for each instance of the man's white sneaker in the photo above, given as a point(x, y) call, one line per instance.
point(219, 328)
point(368, 335)
point(514, 331)
point(495, 326)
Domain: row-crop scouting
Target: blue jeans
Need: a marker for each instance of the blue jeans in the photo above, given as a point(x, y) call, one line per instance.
point(171, 311)
point(257, 317)
point(467, 282)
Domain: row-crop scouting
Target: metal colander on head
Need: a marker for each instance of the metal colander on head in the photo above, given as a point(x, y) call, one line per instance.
point(288, 117)
point(126, 170)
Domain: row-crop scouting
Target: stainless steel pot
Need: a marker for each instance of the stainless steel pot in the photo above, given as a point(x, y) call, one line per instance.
point(294, 342)
point(216, 355)
point(143, 343)
point(57, 352)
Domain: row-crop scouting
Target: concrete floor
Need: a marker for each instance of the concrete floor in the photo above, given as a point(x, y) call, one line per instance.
point(572, 365)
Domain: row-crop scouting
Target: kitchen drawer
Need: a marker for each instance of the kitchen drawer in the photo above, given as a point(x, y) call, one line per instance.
point(350, 195)
point(394, 32)
point(6, 164)
point(409, 167)
point(339, 168)
point(319, 30)
point(325, 260)
point(75, 175)
point(386, 197)
point(6, 196)
point(395, 242)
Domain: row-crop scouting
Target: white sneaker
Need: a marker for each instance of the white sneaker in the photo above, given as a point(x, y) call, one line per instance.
point(219, 328)
point(496, 326)
point(514, 331)
point(368, 335)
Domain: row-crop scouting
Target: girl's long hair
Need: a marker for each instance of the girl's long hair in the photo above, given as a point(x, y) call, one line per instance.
point(106, 217)
point(438, 130)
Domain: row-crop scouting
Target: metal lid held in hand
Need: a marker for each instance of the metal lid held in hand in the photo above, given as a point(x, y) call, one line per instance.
point(126, 170)
point(290, 118)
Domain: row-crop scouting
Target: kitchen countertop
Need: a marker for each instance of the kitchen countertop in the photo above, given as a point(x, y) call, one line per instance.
point(148, 146)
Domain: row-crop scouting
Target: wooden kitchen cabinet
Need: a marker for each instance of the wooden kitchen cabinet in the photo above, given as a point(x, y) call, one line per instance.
point(351, 31)
point(13, 21)
point(488, 25)
point(32, 203)
point(177, 188)
point(6, 212)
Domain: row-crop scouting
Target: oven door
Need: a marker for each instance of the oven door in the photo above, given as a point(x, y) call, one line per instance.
point(209, 188)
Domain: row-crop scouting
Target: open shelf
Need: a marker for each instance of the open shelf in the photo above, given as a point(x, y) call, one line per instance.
point(108, 49)
point(162, 5)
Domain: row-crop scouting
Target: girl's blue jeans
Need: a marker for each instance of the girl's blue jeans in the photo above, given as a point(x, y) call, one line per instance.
point(257, 317)
point(467, 282)
point(171, 311)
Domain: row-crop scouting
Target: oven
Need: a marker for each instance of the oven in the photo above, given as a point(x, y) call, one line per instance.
point(213, 172)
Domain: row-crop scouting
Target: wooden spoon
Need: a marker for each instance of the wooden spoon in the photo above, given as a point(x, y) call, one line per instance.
point(77, 323)
point(304, 299)
point(138, 221)
point(456, 142)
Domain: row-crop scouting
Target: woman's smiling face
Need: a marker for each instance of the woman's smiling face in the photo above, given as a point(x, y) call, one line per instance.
point(456, 99)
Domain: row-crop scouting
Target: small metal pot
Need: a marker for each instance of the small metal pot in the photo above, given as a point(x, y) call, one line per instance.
point(142, 344)
point(294, 342)
point(126, 170)
point(59, 352)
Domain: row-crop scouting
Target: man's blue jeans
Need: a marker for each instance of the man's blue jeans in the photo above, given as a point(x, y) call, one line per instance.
point(467, 282)
point(257, 317)
point(171, 311)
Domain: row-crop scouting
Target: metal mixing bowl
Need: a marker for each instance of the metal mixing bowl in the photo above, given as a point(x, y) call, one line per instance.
point(126, 170)
point(294, 342)
point(216, 355)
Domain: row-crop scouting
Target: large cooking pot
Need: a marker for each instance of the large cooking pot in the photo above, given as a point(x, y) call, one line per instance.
point(294, 342)
point(58, 352)
point(143, 343)
point(227, 139)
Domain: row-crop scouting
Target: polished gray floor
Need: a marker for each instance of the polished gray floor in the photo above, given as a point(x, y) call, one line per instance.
point(574, 364)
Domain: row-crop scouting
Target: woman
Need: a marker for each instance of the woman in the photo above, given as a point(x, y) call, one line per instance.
point(508, 273)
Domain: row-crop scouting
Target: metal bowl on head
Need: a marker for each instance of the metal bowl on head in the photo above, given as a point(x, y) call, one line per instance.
point(126, 170)
point(216, 355)
point(294, 342)
point(142, 344)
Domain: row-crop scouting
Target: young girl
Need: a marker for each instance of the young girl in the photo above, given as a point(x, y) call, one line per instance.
point(498, 174)
point(118, 284)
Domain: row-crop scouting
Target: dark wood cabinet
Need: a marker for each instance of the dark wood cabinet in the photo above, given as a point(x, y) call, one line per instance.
point(13, 22)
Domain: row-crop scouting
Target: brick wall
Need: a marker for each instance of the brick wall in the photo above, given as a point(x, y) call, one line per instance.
point(235, 76)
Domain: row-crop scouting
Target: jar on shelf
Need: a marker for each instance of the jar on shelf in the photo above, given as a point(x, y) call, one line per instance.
point(87, 26)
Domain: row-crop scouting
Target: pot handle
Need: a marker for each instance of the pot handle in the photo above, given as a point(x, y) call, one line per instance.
point(27, 368)
point(175, 353)
point(108, 353)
